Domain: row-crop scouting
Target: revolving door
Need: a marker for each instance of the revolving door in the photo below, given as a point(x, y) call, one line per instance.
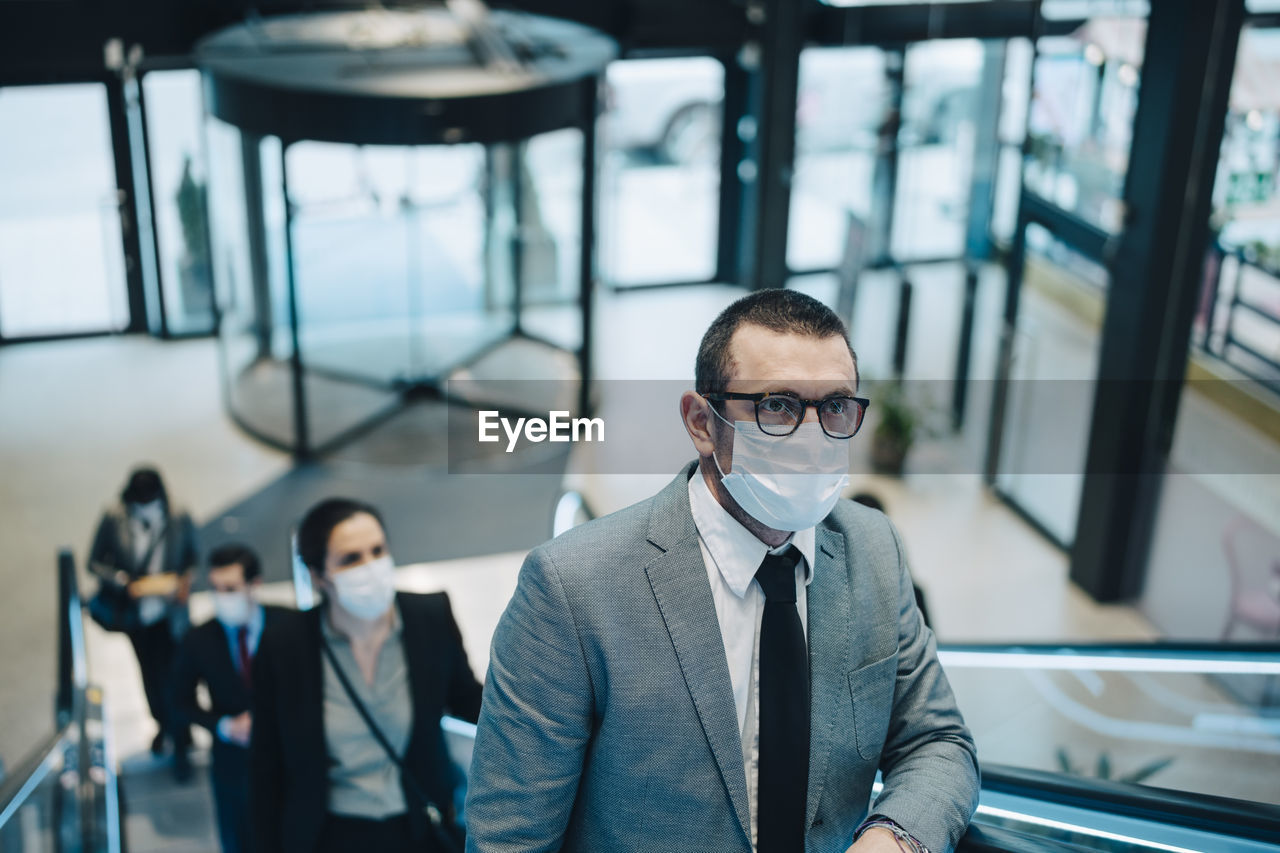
point(397, 198)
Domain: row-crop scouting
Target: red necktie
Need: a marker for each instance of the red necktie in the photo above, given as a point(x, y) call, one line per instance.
point(246, 662)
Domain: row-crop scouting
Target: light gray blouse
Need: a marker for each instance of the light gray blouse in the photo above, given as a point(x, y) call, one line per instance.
point(363, 781)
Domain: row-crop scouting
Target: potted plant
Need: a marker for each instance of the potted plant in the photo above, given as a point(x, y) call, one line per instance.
point(895, 431)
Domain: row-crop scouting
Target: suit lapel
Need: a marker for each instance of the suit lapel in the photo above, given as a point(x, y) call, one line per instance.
point(310, 696)
point(678, 578)
point(829, 616)
point(679, 582)
point(419, 665)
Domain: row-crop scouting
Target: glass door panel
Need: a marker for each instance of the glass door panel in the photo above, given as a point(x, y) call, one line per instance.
point(179, 185)
point(936, 143)
point(1051, 380)
point(660, 170)
point(62, 266)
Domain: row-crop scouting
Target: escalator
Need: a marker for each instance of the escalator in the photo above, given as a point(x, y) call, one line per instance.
point(65, 796)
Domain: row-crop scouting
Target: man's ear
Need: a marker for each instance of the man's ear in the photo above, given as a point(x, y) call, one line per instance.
point(695, 411)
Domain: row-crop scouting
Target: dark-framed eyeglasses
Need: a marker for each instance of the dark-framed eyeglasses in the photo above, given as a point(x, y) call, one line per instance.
point(780, 414)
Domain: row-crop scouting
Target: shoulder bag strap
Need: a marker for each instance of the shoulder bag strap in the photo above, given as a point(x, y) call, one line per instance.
point(433, 813)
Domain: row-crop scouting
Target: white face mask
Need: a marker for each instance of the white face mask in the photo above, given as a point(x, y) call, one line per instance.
point(150, 513)
point(785, 482)
point(367, 591)
point(233, 608)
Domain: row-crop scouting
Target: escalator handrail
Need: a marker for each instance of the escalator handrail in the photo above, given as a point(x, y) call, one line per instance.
point(1204, 812)
point(18, 786)
point(1155, 656)
point(71, 677)
point(985, 838)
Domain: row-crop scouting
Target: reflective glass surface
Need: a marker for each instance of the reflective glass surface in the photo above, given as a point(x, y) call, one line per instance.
point(1085, 92)
point(1204, 725)
point(841, 109)
point(660, 170)
point(62, 264)
point(179, 188)
point(254, 330)
point(1053, 374)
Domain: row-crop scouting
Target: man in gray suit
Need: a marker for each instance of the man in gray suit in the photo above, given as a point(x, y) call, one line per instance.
point(726, 665)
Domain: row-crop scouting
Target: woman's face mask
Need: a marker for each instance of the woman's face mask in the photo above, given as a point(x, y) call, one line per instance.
point(785, 482)
point(151, 512)
point(366, 591)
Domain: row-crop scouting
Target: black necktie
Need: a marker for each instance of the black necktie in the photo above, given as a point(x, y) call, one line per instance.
point(784, 710)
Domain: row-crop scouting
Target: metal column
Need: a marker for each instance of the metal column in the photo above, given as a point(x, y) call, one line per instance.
point(1156, 274)
point(780, 29)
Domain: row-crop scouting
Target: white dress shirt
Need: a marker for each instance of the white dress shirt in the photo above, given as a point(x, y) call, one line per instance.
point(732, 555)
point(147, 531)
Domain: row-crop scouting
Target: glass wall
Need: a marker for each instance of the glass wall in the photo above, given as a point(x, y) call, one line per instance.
point(842, 106)
point(179, 184)
point(1051, 383)
point(936, 141)
point(1015, 97)
point(1214, 568)
point(1185, 725)
point(254, 328)
point(62, 266)
point(1081, 119)
point(660, 175)
point(551, 236)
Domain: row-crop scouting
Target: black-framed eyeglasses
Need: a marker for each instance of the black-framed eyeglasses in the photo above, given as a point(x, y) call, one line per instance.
point(781, 414)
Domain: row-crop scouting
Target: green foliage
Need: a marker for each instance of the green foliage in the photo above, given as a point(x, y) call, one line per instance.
point(899, 416)
point(1104, 770)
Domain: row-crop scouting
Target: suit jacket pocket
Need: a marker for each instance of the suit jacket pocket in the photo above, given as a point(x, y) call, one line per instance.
point(871, 688)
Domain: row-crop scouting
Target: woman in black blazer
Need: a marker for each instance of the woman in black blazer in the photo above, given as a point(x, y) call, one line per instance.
point(320, 779)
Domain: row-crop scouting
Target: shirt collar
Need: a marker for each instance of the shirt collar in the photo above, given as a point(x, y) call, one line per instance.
point(736, 551)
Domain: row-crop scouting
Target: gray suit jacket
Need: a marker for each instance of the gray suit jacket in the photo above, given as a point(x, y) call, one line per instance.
point(608, 721)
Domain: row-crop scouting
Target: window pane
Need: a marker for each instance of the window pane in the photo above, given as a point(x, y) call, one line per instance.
point(660, 176)
point(61, 252)
point(1054, 369)
point(178, 183)
point(1081, 120)
point(841, 106)
point(936, 144)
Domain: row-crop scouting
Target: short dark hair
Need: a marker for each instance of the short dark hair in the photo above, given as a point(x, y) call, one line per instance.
point(318, 523)
point(144, 486)
point(776, 309)
point(236, 553)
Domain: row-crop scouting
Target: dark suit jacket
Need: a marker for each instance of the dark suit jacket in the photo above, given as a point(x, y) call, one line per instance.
point(205, 655)
point(288, 758)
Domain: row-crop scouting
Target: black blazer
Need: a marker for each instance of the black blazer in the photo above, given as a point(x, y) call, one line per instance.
point(205, 655)
point(288, 757)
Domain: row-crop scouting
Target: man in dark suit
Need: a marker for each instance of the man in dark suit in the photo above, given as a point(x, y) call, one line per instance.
point(220, 653)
